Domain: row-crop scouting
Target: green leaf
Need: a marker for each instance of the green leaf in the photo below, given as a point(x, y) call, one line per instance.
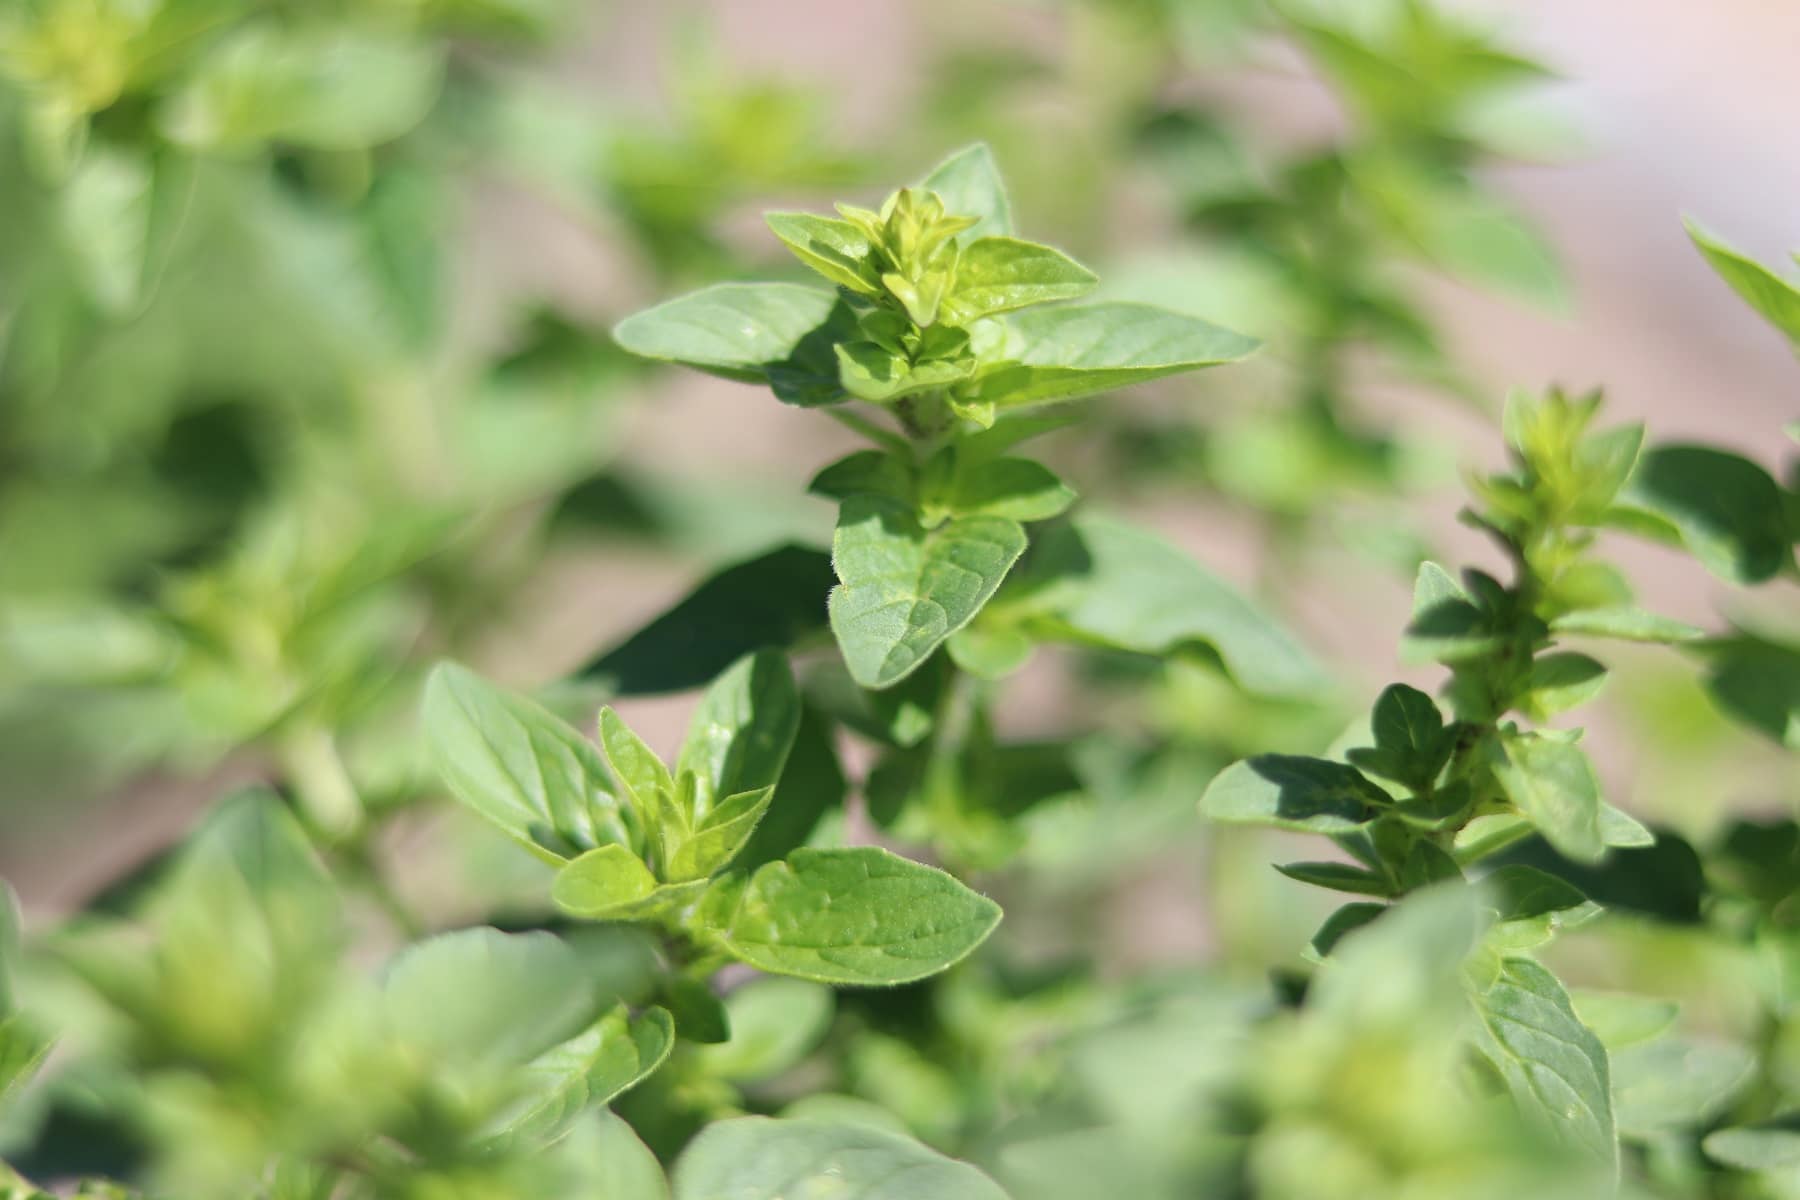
point(1555, 1067)
point(969, 184)
point(781, 334)
point(812, 785)
point(1000, 274)
point(878, 375)
point(478, 1003)
point(1412, 743)
point(1776, 299)
point(1553, 783)
point(622, 1167)
point(775, 599)
point(1727, 509)
point(864, 473)
point(1310, 795)
point(1626, 624)
point(325, 89)
point(739, 737)
point(1339, 877)
point(717, 839)
point(520, 767)
point(700, 1015)
point(1621, 1020)
point(1447, 626)
point(1065, 352)
point(1675, 1083)
point(1102, 581)
point(774, 1023)
point(835, 248)
point(591, 1069)
point(639, 770)
point(860, 916)
point(1520, 892)
point(761, 1158)
point(1345, 920)
point(1771, 1146)
point(1015, 488)
point(1561, 681)
point(1757, 682)
point(905, 589)
point(990, 653)
point(603, 884)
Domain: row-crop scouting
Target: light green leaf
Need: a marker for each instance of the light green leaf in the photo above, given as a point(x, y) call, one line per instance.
point(876, 374)
point(860, 916)
point(1619, 1019)
point(905, 589)
point(593, 1068)
point(1674, 1083)
point(1772, 1146)
point(639, 770)
point(776, 333)
point(1555, 1067)
point(1553, 783)
point(1065, 352)
point(1626, 624)
point(516, 764)
point(835, 248)
point(990, 653)
point(1622, 830)
point(1311, 795)
point(717, 839)
point(999, 274)
point(1103, 581)
point(1776, 299)
point(480, 1002)
point(739, 737)
point(969, 184)
point(330, 90)
point(761, 1158)
point(774, 1023)
point(603, 884)
point(619, 1166)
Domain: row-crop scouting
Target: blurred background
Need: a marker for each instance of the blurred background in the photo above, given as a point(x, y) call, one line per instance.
point(305, 379)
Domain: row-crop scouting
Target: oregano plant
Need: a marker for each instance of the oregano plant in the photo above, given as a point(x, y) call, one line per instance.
point(707, 906)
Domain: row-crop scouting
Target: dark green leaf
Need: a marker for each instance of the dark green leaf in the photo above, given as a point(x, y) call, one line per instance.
point(1728, 509)
point(1339, 877)
point(774, 599)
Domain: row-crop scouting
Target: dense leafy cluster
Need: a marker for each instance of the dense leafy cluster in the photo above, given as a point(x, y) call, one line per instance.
point(272, 477)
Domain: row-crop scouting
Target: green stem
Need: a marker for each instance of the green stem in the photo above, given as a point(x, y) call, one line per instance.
point(885, 438)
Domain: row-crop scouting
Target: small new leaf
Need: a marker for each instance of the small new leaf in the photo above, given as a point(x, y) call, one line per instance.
point(1000, 274)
